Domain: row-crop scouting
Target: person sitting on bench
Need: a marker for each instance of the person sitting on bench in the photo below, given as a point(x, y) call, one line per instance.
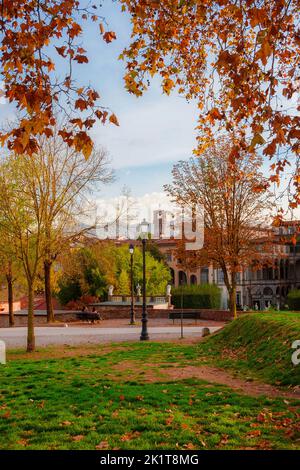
point(97, 313)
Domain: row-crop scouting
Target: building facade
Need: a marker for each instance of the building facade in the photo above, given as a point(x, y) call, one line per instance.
point(256, 288)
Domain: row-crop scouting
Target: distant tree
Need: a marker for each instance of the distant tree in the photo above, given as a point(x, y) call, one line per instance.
point(69, 289)
point(102, 263)
point(227, 191)
point(154, 251)
point(123, 285)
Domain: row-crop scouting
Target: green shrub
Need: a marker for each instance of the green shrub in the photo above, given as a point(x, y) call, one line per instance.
point(69, 289)
point(293, 299)
point(197, 296)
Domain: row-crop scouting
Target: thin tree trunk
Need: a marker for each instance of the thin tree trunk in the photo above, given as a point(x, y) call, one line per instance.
point(30, 319)
point(48, 292)
point(9, 279)
point(232, 302)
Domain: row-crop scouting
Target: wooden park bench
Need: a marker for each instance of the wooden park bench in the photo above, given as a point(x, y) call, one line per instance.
point(185, 315)
point(88, 316)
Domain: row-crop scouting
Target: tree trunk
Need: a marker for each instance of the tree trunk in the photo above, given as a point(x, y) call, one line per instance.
point(30, 319)
point(232, 302)
point(9, 279)
point(48, 292)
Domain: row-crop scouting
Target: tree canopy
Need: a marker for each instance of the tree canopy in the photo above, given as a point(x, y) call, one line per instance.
point(238, 60)
point(89, 270)
point(36, 35)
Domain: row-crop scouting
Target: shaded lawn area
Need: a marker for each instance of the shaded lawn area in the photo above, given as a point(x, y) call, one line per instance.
point(120, 398)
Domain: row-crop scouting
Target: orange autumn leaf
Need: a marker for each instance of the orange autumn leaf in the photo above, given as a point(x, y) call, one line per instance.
point(77, 438)
point(109, 36)
point(114, 120)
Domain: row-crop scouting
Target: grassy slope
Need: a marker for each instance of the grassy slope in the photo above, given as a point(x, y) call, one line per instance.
point(258, 345)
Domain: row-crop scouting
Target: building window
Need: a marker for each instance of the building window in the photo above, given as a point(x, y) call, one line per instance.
point(204, 276)
point(182, 278)
point(220, 276)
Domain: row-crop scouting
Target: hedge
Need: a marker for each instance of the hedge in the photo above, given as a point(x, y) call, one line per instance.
point(197, 296)
point(293, 299)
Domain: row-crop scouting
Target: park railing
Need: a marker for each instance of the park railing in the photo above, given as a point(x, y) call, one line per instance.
point(156, 299)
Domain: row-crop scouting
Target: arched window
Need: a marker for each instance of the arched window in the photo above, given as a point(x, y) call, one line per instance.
point(193, 279)
point(268, 292)
point(182, 278)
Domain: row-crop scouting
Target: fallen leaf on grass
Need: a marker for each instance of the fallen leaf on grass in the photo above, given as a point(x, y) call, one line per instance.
point(130, 435)
point(169, 420)
point(23, 442)
point(261, 417)
point(102, 445)
point(77, 438)
point(252, 434)
point(189, 446)
point(184, 426)
point(66, 423)
point(224, 440)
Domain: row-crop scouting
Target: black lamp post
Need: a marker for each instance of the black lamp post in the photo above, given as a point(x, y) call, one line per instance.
point(144, 235)
point(132, 313)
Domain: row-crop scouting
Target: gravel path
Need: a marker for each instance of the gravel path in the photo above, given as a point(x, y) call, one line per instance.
point(44, 336)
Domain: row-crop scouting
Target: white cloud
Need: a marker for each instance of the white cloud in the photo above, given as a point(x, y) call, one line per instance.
point(152, 130)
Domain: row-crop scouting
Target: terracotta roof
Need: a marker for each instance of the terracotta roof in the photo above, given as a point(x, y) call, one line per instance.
point(289, 223)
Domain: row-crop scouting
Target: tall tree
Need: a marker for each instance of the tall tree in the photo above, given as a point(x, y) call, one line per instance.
point(233, 209)
point(22, 218)
point(8, 263)
point(238, 60)
point(63, 181)
point(36, 35)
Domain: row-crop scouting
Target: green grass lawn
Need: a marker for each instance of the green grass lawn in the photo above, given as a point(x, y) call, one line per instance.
point(120, 398)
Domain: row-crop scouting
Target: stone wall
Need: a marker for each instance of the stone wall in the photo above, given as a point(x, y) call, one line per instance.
point(21, 320)
point(112, 311)
point(115, 312)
